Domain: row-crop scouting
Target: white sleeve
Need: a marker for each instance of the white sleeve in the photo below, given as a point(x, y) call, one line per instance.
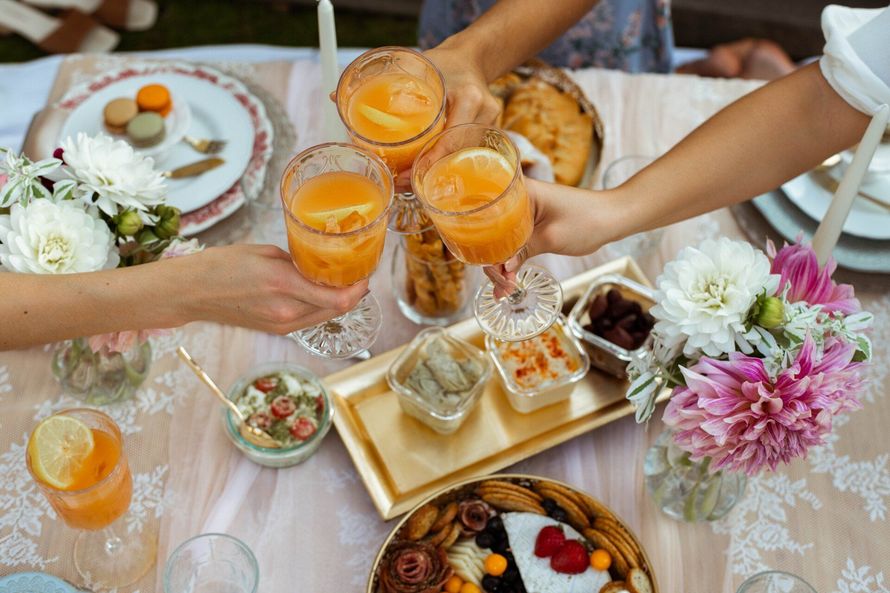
point(856, 60)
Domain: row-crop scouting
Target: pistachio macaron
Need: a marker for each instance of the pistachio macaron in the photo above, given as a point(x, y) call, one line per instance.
point(146, 129)
point(118, 113)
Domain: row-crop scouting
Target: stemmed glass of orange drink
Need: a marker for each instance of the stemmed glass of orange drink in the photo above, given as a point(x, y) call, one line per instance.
point(336, 200)
point(469, 180)
point(392, 101)
point(77, 459)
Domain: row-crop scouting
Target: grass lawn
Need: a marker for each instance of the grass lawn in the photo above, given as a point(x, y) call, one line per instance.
point(211, 22)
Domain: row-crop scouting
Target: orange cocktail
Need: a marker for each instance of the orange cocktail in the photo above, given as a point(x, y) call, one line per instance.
point(479, 205)
point(326, 211)
point(336, 200)
point(392, 100)
point(77, 459)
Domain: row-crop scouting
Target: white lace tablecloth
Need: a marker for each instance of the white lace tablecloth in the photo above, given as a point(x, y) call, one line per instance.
point(313, 527)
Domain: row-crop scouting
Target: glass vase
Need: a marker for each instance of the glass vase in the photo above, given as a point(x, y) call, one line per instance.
point(100, 378)
point(687, 490)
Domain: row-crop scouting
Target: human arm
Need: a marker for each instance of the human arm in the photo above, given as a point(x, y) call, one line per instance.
point(253, 286)
point(751, 146)
point(505, 36)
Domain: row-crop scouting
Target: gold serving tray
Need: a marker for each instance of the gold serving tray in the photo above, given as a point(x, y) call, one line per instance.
point(402, 461)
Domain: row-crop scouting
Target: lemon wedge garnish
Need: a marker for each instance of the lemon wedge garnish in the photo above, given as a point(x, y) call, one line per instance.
point(58, 448)
point(483, 160)
point(381, 118)
point(322, 216)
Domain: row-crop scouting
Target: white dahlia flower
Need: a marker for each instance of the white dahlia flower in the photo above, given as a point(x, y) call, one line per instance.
point(111, 175)
point(46, 237)
point(704, 296)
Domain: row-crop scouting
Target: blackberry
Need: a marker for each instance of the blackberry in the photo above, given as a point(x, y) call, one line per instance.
point(492, 584)
point(495, 524)
point(549, 505)
point(560, 515)
point(485, 539)
point(511, 575)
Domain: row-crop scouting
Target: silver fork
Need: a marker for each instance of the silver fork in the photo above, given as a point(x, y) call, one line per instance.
point(204, 145)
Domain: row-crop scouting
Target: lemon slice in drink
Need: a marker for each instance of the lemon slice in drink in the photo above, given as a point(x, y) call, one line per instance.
point(484, 162)
point(381, 118)
point(57, 448)
point(340, 214)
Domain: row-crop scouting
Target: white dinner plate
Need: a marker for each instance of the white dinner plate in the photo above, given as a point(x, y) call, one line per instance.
point(215, 114)
point(866, 219)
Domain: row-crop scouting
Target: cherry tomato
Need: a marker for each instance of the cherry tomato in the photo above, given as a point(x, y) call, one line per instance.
point(302, 429)
point(282, 407)
point(319, 403)
point(260, 420)
point(266, 384)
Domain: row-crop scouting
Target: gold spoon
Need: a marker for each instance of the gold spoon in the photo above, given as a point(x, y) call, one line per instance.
point(251, 434)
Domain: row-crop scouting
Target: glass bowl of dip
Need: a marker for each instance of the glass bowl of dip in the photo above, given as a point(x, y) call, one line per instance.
point(439, 379)
point(300, 432)
point(540, 371)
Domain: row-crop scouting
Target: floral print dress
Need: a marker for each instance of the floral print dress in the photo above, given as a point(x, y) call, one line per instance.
point(629, 35)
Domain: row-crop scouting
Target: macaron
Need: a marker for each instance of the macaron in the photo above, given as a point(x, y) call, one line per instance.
point(146, 129)
point(154, 97)
point(118, 113)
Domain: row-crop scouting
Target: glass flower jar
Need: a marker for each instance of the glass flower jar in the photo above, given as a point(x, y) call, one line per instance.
point(687, 490)
point(103, 377)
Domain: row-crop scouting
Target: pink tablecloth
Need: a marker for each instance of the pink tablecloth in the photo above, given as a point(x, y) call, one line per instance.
point(313, 527)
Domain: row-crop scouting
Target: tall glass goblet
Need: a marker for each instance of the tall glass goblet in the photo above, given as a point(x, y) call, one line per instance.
point(392, 101)
point(469, 180)
point(336, 200)
point(77, 459)
point(771, 581)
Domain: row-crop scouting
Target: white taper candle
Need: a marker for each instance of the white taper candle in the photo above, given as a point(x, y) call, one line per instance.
point(327, 44)
point(833, 222)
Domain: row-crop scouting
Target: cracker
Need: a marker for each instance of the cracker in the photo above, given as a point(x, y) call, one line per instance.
point(613, 587)
point(601, 540)
point(638, 581)
point(420, 522)
point(577, 518)
point(496, 491)
point(501, 484)
point(445, 517)
point(621, 539)
point(451, 537)
point(594, 507)
point(511, 502)
point(440, 535)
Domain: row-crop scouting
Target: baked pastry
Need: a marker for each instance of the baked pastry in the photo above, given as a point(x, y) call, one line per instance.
point(146, 129)
point(118, 113)
point(154, 97)
point(554, 123)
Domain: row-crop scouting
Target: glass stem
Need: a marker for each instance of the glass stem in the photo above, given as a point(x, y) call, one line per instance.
point(113, 543)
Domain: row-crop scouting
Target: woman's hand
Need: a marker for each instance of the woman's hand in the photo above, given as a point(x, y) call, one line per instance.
point(567, 221)
point(466, 89)
point(258, 287)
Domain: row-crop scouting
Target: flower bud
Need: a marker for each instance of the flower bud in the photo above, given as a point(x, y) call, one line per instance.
point(147, 236)
point(168, 222)
point(128, 223)
point(771, 313)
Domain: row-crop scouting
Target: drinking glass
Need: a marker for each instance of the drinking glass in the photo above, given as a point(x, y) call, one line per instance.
point(211, 563)
point(337, 259)
point(385, 70)
point(619, 171)
point(775, 581)
point(106, 555)
point(469, 180)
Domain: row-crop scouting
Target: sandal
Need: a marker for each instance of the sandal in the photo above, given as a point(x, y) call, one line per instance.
point(129, 15)
point(74, 32)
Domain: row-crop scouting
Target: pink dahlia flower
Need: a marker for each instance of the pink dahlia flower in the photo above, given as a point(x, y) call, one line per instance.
point(124, 341)
point(734, 413)
point(797, 265)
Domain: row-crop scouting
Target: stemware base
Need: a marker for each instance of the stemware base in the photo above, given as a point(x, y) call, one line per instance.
point(532, 308)
point(344, 336)
point(107, 560)
point(407, 216)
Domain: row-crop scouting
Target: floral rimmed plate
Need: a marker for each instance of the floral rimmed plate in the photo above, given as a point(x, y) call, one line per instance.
point(213, 208)
point(520, 502)
point(35, 582)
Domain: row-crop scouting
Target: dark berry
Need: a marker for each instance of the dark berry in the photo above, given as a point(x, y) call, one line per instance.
point(491, 583)
point(484, 539)
point(549, 504)
point(560, 515)
point(57, 153)
point(511, 575)
point(499, 546)
point(495, 524)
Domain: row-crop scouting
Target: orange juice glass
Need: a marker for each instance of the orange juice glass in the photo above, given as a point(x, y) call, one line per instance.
point(336, 200)
point(98, 496)
point(392, 101)
point(469, 180)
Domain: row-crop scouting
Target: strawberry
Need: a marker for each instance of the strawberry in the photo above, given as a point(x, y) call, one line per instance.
point(550, 539)
point(571, 558)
